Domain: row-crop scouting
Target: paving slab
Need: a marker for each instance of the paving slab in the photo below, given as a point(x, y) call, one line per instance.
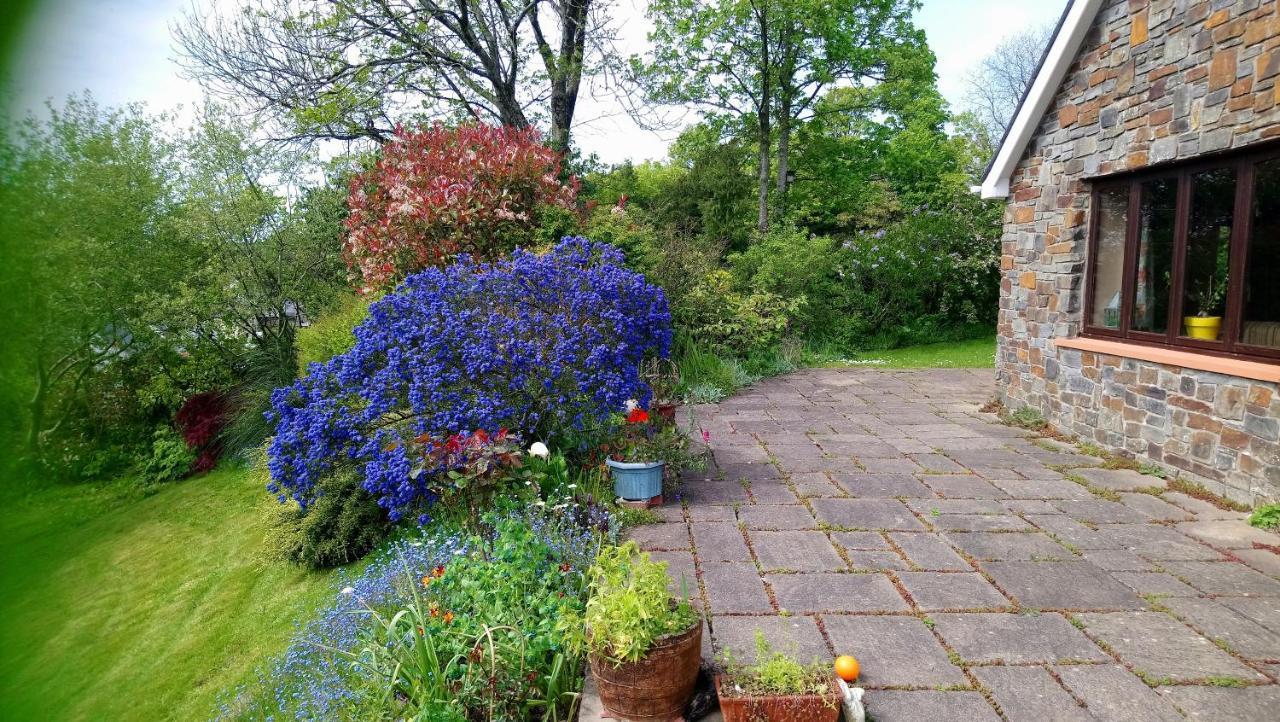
point(1119, 479)
point(1263, 560)
point(1066, 530)
point(981, 522)
point(827, 592)
point(1229, 533)
point(860, 540)
point(796, 551)
point(720, 542)
point(714, 492)
point(1263, 610)
point(1155, 541)
point(734, 587)
point(660, 537)
point(680, 571)
point(936, 591)
point(1157, 583)
point(1061, 585)
point(1218, 703)
point(1227, 578)
point(860, 560)
point(957, 486)
point(1155, 507)
point(883, 486)
point(1029, 506)
point(1113, 694)
point(797, 636)
point(929, 551)
point(1101, 511)
point(1011, 547)
point(1041, 489)
point(930, 508)
point(771, 491)
point(1202, 509)
point(894, 650)
point(777, 516)
point(815, 483)
point(1118, 560)
point(1161, 647)
point(866, 514)
point(899, 706)
point(1016, 638)
point(1223, 624)
point(1029, 694)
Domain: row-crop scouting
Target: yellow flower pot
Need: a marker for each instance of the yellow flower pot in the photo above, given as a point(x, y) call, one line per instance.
point(1203, 327)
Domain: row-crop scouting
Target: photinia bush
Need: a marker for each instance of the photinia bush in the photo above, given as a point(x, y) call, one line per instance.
point(440, 192)
point(540, 345)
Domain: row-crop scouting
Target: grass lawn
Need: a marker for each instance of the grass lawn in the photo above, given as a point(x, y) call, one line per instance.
point(974, 353)
point(123, 607)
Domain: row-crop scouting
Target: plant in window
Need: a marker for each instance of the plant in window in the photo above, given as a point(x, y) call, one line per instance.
point(1208, 297)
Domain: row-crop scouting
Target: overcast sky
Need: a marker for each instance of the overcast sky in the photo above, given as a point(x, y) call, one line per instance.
point(121, 50)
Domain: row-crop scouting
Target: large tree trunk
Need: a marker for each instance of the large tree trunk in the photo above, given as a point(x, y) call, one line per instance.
point(564, 66)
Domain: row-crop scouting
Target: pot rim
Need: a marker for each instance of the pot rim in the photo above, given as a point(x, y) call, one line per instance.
point(633, 464)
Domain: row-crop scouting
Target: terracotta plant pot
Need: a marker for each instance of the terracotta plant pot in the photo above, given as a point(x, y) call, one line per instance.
point(666, 411)
point(1203, 327)
point(790, 708)
point(658, 686)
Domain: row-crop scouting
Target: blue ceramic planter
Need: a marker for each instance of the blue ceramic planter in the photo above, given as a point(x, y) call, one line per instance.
point(636, 480)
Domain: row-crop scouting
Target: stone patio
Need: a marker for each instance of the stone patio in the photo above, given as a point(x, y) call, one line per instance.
point(965, 563)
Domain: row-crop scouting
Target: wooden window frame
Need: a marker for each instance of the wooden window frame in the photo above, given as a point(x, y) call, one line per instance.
point(1228, 344)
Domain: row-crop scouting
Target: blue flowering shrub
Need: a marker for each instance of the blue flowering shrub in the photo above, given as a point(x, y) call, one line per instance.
point(543, 345)
point(445, 626)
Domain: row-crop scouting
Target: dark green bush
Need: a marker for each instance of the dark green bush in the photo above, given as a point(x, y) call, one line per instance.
point(343, 524)
point(170, 457)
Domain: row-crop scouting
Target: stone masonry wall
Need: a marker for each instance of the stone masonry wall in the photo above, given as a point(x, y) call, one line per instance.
point(1154, 81)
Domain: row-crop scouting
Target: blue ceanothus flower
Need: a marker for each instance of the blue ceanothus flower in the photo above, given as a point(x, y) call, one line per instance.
point(537, 343)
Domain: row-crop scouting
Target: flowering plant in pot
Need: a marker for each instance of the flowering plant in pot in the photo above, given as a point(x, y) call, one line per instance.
point(776, 688)
point(643, 645)
point(641, 449)
point(1207, 323)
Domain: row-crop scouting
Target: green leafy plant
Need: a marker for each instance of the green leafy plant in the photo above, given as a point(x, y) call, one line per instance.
point(170, 457)
point(332, 333)
point(342, 525)
point(774, 674)
point(1266, 516)
point(630, 608)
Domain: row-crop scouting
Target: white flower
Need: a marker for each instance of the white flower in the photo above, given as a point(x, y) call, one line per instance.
point(572, 486)
point(348, 590)
point(539, 450)
point(540, 503)
point(631, 405)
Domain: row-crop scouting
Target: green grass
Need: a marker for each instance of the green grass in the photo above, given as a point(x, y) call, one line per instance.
point(973, 353)
point(118, 606)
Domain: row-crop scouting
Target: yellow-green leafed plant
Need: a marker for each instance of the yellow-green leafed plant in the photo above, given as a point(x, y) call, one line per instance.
point(774, 674)
point(630, 608)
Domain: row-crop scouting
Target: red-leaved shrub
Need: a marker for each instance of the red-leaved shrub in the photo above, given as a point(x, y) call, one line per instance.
point(200, 421)
point(438, 192)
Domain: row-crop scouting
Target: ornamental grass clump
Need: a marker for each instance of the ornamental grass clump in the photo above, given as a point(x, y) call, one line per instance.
point(544, 345)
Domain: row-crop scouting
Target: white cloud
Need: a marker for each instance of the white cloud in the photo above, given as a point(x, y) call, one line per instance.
point(121, 50)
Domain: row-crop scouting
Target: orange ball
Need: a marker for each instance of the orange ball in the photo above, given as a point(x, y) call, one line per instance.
point(847, 668)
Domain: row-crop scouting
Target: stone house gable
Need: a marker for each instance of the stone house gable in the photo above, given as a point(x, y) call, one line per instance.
point(1152, 82)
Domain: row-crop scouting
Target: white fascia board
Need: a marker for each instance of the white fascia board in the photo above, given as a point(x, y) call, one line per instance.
point(1063, 51)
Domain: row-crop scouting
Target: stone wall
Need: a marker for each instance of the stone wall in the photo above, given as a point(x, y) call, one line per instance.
point(1154, 81)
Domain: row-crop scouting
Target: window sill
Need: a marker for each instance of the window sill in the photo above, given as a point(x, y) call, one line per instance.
point(1255, 370)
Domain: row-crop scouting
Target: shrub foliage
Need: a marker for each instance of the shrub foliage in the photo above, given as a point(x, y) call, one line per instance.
point(440, 192)
point(541, 345)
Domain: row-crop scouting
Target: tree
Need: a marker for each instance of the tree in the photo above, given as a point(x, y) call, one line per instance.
point(350, 69)
point(749, 62)
point(89, 193)
point(1001, 79)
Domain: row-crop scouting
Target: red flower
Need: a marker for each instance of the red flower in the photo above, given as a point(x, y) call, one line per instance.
point(439, 570)
point(637, 416)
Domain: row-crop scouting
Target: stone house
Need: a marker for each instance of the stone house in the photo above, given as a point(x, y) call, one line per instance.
point(1140, 265)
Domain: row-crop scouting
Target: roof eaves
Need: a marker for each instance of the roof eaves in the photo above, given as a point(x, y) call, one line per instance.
point(1061, 51)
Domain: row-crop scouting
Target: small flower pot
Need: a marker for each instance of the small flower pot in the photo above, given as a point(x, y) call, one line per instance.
point(636, 480)
point(656, 687)
point(788, 708)
point(1203, 327)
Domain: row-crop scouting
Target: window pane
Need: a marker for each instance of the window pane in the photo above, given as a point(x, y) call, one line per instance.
point(1261, 318)
point(1204, 284)
point(1155, 255)
point(1108, 267)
